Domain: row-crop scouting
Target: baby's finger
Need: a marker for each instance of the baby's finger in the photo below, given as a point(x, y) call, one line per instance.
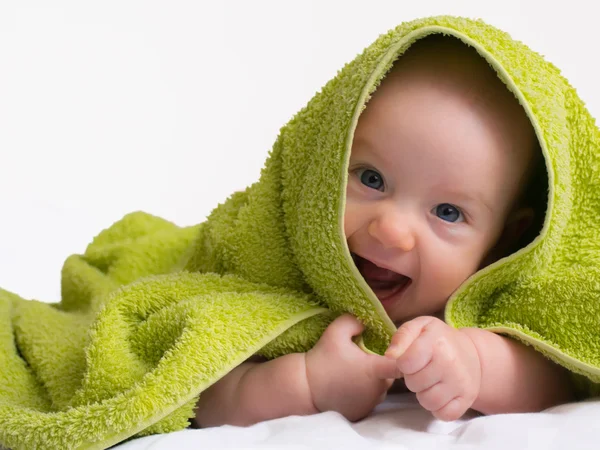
point(437, 369)
point(424, 379)
point(344, 328)
point(453, 410)
point(436, 397)
point(406, 335)
point(383, 367)
point(417, 356)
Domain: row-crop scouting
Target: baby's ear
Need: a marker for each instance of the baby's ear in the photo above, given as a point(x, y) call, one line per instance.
point(517, 223)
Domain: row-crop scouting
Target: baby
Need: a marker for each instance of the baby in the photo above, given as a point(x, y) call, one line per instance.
point(439, 173)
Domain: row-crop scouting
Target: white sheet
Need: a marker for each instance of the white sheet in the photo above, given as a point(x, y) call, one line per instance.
point(399, 423)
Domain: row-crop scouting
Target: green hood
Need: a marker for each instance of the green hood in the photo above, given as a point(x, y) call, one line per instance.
point(152, 314)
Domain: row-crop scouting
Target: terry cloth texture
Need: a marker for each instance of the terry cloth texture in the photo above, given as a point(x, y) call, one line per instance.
point(152, 314)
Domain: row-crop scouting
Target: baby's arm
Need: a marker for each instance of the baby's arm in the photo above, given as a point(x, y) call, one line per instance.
point(253, 392)
point(515, 377)
point(335, 375)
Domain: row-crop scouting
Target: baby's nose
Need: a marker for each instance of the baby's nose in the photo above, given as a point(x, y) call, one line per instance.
point(393, 231)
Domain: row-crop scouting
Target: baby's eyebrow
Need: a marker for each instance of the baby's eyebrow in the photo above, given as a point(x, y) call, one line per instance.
point(480, 200)
point(468, 197)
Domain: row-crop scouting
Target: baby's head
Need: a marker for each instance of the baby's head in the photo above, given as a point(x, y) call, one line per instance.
point(440, 162)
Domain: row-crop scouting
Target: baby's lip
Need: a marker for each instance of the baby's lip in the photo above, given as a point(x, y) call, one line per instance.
point(357, 261)
point(385, 283)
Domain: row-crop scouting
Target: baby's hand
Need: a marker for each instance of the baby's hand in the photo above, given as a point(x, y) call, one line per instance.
point(440, 364)
point(342, 377)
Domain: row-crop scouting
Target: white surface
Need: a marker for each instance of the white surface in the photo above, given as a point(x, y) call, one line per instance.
point(399, 423)
point(168, 107)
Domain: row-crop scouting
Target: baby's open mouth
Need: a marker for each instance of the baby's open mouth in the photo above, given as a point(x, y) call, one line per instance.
point(383, 282)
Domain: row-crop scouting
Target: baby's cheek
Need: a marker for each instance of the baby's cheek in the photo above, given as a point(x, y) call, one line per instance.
point(346, 227)
point(450, 274)
point(350, 219)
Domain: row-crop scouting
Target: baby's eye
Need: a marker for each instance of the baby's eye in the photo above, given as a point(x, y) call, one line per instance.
point(448, 212)
point(371, 178)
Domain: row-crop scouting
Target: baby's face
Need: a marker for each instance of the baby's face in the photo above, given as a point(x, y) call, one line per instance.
point(433, 175)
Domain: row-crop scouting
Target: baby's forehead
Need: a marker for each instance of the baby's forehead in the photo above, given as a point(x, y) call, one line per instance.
point(447, 62)
point(455, 71)
point(447, 65)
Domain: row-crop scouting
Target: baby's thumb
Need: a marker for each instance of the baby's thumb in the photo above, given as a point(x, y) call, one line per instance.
point(385, 368)
point(345, 327)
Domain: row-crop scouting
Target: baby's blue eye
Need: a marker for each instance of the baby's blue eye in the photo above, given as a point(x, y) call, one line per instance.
point(448, 212)
point(372, 179)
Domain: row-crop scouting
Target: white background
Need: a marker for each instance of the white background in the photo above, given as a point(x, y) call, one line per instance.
point(168, 107)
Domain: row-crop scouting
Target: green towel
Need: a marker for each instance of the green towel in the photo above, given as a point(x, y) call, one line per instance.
point(152, 314)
